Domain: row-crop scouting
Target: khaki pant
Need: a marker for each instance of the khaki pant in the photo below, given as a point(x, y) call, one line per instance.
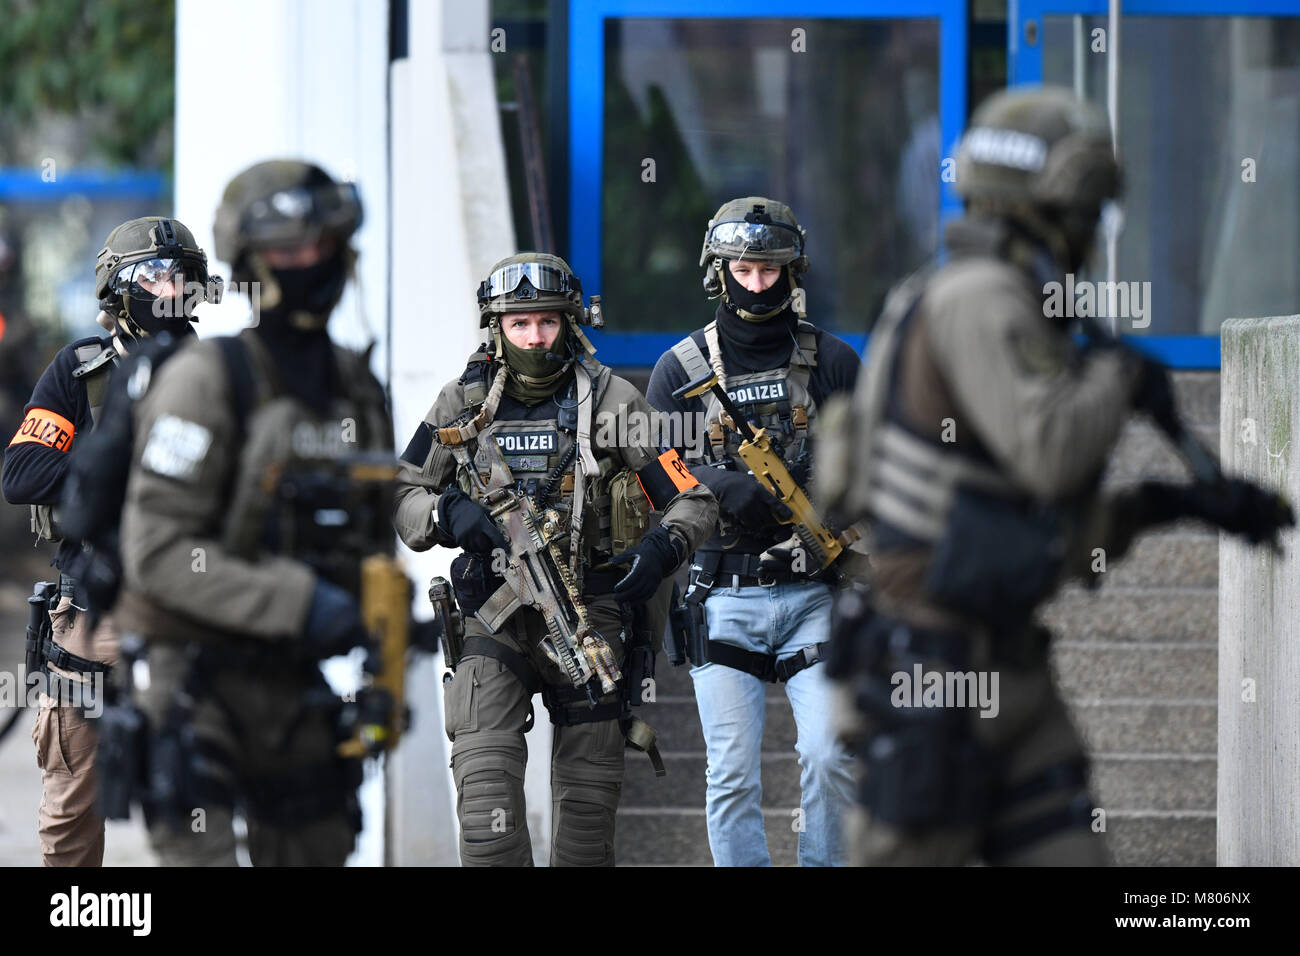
point(1031, 733)
point(486, 712)
point(71, 832)
point(256, 738)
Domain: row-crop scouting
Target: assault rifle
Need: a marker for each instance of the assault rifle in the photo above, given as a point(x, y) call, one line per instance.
point(537, 575)
point(811, 534)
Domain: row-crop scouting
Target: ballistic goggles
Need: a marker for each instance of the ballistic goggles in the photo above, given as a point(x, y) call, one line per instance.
point(542, 278)
point(291, 216)
point(769, 241)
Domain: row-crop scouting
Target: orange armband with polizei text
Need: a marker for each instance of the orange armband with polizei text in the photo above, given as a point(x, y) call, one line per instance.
point(45, 428)
point(665, 478)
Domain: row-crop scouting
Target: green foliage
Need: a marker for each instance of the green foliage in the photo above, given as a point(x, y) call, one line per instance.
point(111, 61)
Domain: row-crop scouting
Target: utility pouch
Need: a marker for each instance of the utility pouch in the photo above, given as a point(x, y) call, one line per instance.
point(44, 523)
point(448, 621)
point(629, 518)
point(123, 732)
point(998, 559)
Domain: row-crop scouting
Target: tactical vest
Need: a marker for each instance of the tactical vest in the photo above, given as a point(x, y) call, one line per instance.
point(308, 485)
point(778, 399)
point(540, 455)
point(913, 478)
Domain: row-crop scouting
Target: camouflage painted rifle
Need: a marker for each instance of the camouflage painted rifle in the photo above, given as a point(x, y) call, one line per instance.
point(538, 576)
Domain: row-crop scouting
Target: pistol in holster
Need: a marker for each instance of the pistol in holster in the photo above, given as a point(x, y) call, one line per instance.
point(39, 629)
point(688, 630)
point(448, 621)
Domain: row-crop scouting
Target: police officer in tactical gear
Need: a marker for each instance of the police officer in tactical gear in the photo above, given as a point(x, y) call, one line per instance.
point(767, 620)
point(974, 448)
point(148, 277)
point(568, 430)
point(241, 550)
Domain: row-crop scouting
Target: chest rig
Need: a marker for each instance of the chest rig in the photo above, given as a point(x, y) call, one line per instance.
point(316, 486)
point(777, 399)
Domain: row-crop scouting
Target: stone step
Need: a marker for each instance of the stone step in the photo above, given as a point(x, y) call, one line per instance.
point(1175, 560)
point(1137, 615)
point(1144, 782)
point(683, 786)
point(681, 838)
point(1162, 838)
point(1147, 726)
point(1111, 670)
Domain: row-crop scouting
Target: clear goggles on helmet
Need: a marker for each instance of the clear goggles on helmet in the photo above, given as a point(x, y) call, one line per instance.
point(541, 277)
point(158, 277)
point(771, 241)
point(288, 216)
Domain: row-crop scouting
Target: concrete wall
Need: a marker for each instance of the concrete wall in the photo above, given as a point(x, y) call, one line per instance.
point(1259, 605)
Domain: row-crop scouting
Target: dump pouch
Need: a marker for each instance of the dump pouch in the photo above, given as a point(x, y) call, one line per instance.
point(997, 560)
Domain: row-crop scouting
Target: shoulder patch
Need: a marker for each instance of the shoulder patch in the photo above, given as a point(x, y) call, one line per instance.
point(418, 450)
point(47, 428)
point(176, 448)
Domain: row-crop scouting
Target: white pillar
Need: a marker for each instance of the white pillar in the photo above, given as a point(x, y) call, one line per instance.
point(1259, 604)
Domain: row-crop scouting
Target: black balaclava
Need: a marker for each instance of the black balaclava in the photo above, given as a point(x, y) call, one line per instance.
point(751, 346)
point(305, 357)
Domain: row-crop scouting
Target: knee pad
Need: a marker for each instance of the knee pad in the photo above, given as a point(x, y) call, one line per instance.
point(584, 824)
point(489, 773)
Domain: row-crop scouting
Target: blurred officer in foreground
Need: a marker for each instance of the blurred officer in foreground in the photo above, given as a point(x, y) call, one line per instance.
point(241, 543)
point(975, 446)
point(762, 620)
point(145, 279)
point(555, 434)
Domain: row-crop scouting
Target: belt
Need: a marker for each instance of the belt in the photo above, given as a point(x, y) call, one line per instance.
point(744, 570)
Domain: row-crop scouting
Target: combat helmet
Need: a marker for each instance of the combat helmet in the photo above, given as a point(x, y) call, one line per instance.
point(536, 282)
point(754, 228)
point(1042, 158)
point(285, 203)
point(140, 255)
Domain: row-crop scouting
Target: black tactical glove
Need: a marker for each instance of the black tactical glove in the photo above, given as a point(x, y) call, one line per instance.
point(1241, 507)
point(468, 523)
point(656, 557)
point(745, 500)
point(333, 622)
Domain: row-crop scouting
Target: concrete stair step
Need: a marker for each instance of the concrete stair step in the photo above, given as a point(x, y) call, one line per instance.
point(1134, 615)
point(681, 838)
point(1162, 838)
point(1147, 726)
point(684, 785)
point(1178, 560)
point(1110, 670)
point(1145, 782)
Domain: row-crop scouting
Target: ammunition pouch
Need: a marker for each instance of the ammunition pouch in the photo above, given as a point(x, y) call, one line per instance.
point(922, 765)
point(997, 560)
point(473, 581)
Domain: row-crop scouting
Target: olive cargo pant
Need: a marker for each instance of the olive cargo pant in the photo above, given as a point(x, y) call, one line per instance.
point(71, 831)
point(486, 711)
point(259, 740)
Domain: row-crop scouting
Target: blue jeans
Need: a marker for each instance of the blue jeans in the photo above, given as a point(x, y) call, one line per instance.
point(780, 620)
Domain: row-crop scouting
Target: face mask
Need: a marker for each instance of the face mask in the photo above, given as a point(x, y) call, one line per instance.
point(544, 375)
point(313, 289)
point(763, 305)
point(170, 316)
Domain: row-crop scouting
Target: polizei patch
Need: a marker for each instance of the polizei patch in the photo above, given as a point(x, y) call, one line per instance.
point(773, 391)
point(527, 443)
